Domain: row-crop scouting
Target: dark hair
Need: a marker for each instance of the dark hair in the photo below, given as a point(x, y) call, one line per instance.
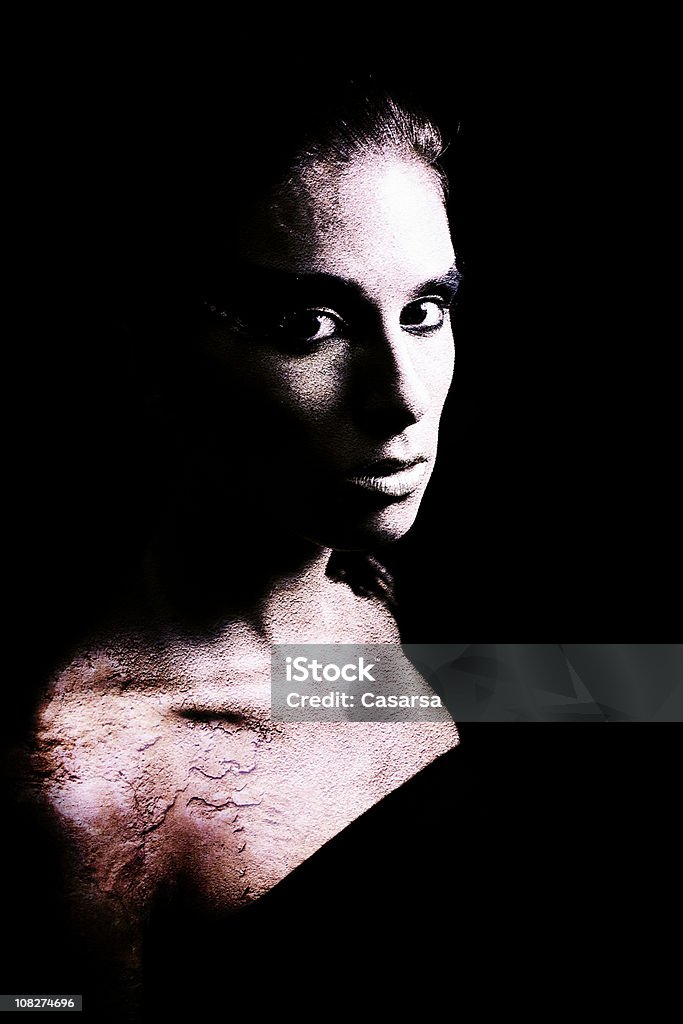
point(267, 145)
point(367, 122)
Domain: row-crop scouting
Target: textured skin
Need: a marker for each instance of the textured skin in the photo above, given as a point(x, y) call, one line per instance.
point(155, 751)
point(160, 765)
point(155, 777)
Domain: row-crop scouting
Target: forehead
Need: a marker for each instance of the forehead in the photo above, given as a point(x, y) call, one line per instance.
point(379, 221)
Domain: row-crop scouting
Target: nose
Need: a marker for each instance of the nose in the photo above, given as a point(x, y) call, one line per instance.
point(394, 392)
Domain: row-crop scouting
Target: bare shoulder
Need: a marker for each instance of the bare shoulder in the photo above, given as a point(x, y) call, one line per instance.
point(106, 665)
point(156, 760)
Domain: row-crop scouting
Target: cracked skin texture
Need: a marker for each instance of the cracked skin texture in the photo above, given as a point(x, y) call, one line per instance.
point(156, 751)
point(159, 762)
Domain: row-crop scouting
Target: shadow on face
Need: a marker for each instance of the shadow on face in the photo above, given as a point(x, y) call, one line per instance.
point(329, 352)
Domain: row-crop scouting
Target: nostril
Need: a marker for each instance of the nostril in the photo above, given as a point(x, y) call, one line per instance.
point(386, 422)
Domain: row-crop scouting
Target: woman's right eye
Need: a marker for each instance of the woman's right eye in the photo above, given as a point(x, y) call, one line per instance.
point(309, 327)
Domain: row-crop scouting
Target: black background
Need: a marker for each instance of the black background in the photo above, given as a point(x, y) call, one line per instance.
point(533, 852)
point(526, 864)
point(553, 498)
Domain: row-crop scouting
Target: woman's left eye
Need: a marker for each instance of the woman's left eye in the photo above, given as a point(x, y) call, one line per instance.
point(309, 327)
point(424, 316)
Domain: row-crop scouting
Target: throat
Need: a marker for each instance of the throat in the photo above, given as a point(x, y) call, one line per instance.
point(300, 604)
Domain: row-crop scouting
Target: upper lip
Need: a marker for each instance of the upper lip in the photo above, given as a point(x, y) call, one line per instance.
point(385, 467)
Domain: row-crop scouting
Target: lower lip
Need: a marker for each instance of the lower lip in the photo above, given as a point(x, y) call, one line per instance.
point(394, 485)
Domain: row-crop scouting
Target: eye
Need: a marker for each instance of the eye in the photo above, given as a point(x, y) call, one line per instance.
point(424, 317)
point(309, 327)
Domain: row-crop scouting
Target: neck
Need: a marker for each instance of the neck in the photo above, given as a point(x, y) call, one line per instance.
point(269, 581)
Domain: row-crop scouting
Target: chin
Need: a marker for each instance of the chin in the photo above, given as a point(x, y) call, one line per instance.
point(372, 528)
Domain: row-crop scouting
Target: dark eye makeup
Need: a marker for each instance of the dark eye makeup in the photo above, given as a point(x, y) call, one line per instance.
point(311, 327)
point(425, 316)
point(289, 313)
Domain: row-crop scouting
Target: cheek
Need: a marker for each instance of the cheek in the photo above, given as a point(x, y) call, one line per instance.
point(436, 370)
point(263, 386)
point(294, 413)
point(313, 387)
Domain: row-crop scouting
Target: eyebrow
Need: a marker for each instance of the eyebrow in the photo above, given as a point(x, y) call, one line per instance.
point(282, 286)
point(448, 282)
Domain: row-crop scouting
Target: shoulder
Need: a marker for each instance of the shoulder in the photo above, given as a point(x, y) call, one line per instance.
point(104, 687)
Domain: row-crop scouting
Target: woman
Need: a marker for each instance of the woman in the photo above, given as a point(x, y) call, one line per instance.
point(302, 374)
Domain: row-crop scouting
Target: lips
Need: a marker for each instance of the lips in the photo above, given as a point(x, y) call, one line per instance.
point(393, 478)
point(385, 467)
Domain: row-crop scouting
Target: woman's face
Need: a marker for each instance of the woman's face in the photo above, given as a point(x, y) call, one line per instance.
point(336, 355)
